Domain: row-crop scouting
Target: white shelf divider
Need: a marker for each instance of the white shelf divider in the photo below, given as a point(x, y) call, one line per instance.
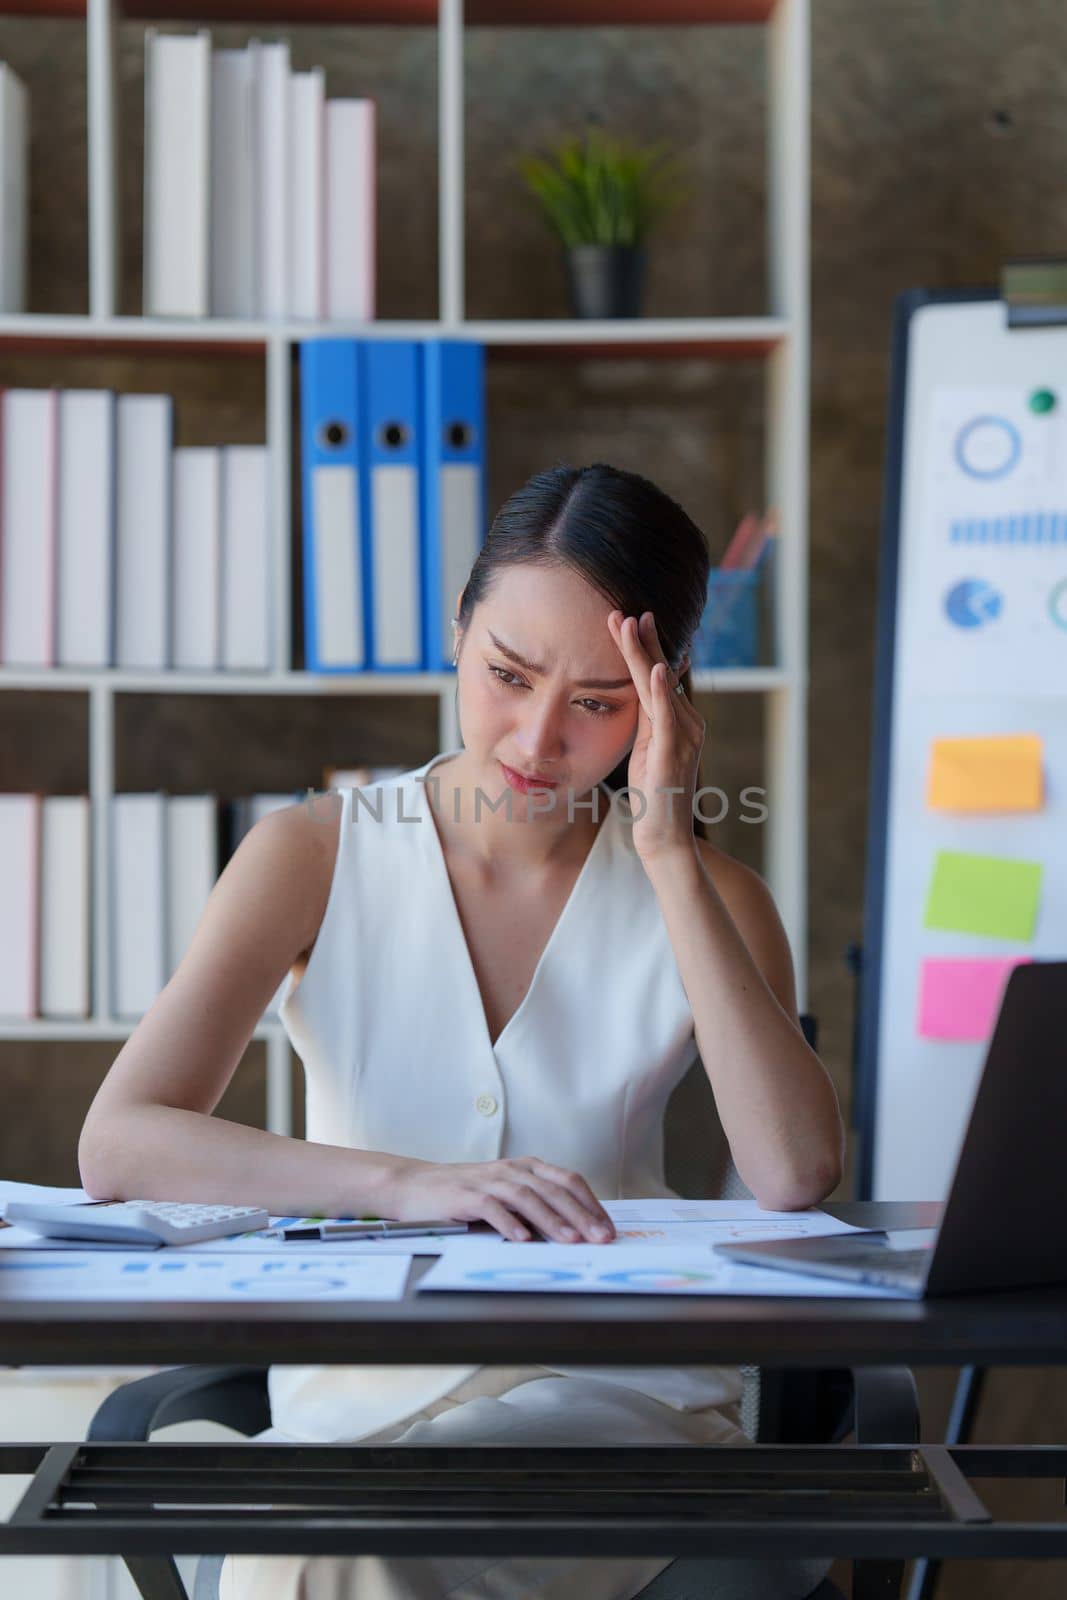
point(787, 405)
point(451, 167)
point(699, 332)
point(723, 680)
point(101, 782)
point(279, 479)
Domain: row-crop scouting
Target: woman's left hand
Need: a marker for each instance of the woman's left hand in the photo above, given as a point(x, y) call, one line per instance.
point(666, 750)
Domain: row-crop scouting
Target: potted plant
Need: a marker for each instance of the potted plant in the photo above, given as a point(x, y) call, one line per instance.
point(602, 196)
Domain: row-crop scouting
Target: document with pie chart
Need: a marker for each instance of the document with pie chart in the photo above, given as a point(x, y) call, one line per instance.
point(506, 1267)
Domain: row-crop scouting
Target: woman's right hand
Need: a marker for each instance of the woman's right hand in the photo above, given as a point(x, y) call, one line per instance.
point(521, 1198)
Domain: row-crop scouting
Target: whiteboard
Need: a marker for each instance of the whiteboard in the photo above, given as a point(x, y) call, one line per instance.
point(972, 644)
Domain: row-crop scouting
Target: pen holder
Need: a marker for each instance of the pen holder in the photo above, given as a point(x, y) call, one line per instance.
point(728, 635)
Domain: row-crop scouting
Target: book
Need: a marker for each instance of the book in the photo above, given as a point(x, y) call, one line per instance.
point(63, 961)
point(177, 189)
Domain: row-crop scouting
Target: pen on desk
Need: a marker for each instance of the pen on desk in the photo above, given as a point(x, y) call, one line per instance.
point(369, 1230)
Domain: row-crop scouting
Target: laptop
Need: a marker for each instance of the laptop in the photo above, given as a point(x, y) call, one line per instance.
point(1004, 1223)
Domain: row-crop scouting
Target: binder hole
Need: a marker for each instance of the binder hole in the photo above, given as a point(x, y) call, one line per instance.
point(392, 435)
point(459, 436)
point(333, 434)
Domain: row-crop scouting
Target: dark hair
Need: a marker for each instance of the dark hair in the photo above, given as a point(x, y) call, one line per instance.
point(621, 533)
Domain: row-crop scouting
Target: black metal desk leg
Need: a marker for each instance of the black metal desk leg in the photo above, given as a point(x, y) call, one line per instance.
point(156, 1577)
point(965, 1401)
point(887, 1412)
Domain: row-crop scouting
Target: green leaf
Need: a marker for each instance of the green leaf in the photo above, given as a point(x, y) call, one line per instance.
point(603, 190)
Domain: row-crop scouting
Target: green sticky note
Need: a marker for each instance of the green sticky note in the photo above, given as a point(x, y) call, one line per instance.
point(991, 895)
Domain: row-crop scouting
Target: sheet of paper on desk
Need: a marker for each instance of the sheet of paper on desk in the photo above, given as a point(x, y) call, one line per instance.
point(653, 1222)
point(180, 1275)
point(690, 1222)
point(620, 1269)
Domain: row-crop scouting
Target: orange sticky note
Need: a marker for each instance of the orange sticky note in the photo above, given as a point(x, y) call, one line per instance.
point(998, 772)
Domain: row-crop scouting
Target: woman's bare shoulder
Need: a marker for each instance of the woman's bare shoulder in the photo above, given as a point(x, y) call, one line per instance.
point(302, 839)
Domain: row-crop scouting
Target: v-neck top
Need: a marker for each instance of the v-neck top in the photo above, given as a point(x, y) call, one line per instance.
point(453, 923)
point(390, 1025)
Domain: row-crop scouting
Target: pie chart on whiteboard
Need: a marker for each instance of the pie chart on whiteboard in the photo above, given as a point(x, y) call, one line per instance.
point(973, 603)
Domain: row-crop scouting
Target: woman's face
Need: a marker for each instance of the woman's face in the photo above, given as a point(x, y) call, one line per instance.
point(570, 713)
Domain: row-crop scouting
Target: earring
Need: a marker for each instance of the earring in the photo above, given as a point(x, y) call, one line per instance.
point(455, 651)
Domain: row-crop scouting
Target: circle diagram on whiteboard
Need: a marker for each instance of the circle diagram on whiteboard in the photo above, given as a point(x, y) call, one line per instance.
point(1057, 605)
point(988, 447)
point(973, 603)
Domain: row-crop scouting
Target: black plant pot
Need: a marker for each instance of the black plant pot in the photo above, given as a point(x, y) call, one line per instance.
point(605, 280)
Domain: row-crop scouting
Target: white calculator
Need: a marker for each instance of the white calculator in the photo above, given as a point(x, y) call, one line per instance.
point(136, 1222)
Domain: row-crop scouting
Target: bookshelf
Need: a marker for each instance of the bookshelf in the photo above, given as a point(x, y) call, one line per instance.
point(780, 340)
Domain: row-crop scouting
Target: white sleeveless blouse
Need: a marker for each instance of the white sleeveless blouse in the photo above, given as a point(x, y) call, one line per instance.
point(389, 1023)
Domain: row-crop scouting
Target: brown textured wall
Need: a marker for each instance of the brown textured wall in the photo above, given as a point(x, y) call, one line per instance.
point(938, 132)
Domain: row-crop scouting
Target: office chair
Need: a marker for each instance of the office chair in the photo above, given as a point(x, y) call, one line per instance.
point(785, 1406)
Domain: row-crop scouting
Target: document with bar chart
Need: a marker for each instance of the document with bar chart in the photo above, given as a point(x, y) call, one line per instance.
point(967, 845)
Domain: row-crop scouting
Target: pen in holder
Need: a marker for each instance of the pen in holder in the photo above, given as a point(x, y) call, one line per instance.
point(729, 631)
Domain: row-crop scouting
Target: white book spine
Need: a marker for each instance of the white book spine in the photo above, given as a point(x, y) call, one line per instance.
point(64, 926)
point(177, 201)
point(307, 102)
point(86, 535)
point(196, 566)
point(246, 564)
point(28, 537)
point(232, 185)
point(15, 177)
point(20, 855)
point(138, 902)
point(192, 868)
point(143, 524)
point(351, 203)
point(272, 143)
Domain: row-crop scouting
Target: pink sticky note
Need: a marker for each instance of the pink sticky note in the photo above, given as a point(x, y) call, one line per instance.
point(960, 999)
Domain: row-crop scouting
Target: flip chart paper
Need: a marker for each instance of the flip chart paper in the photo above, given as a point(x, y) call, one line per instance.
point(1001, 772)
point(960, 999)
point(992, 895)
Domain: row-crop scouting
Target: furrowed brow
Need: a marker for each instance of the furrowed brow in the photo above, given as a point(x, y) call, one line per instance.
point(532, 666)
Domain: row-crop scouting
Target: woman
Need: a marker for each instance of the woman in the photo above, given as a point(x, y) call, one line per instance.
point(498, 974)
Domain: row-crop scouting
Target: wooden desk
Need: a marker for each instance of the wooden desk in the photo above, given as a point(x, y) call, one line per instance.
point(890, 1499)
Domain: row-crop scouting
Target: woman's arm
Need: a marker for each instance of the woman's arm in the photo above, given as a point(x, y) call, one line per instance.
point(149, 1133)
point(777, 1104)
point(776, 1101)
